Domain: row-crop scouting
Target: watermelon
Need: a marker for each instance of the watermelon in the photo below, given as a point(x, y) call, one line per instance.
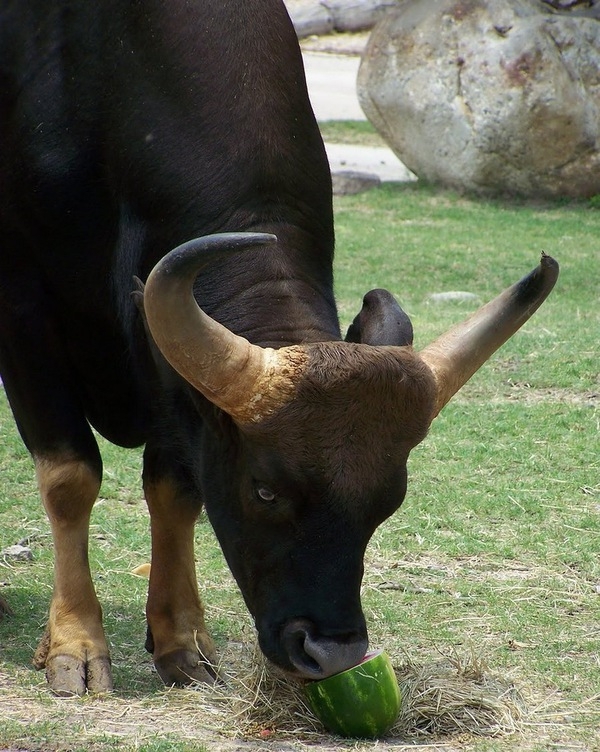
point(361, 702)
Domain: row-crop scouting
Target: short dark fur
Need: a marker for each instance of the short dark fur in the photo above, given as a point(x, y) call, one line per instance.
point(128, 127)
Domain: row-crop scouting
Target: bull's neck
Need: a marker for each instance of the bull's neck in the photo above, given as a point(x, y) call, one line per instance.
point(273, 296)
point(276, 313)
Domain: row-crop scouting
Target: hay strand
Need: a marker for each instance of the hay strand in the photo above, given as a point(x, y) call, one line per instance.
point(444, 697)
point(451, 696)
point(441, 699)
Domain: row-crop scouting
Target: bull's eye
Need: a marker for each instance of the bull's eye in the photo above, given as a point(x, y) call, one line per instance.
point(265, 494)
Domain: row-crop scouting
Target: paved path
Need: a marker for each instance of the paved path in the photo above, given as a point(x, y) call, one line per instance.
point(379, 161)
point(331, 83)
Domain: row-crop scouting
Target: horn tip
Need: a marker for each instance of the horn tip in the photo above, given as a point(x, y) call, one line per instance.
point(549, 268)
point(548, 262)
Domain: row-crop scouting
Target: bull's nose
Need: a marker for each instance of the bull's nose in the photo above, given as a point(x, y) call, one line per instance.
point(315, 656)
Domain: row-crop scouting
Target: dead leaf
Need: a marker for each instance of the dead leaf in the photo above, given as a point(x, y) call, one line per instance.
point(142, 571)
point(516, 645)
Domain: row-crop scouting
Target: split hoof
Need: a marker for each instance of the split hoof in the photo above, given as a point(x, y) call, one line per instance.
point(68, 676)
point(183, 667)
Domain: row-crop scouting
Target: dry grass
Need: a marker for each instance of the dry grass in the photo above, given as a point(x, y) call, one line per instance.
point(453, 696)
point(440, 698)
point(256, 703)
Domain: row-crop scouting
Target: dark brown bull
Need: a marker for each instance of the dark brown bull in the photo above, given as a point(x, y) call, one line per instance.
point(128, 127)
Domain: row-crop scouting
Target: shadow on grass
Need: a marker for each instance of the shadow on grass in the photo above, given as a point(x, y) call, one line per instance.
point(20, 631)
point(422, 188)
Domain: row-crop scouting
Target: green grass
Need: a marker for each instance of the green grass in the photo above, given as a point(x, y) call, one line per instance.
point(495, 550)
point(356, 132)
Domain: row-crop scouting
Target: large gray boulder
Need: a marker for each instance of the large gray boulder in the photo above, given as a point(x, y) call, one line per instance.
point(490, 96)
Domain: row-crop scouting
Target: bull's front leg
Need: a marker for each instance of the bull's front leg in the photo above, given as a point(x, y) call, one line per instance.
point(74, 650)
point(183, 652)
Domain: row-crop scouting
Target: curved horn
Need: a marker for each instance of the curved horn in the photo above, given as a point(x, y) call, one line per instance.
point(455, 356)
point(244, 380)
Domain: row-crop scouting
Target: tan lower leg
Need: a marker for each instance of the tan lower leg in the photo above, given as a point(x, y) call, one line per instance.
point(182, 648)
point(75, 636)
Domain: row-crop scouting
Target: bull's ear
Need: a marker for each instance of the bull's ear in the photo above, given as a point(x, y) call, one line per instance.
point(380, 322)
point(137, 295)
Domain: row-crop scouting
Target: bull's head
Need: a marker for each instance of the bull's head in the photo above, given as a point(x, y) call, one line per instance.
point(321, 436)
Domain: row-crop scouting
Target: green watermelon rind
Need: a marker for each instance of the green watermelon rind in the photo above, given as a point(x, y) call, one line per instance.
point(362, 702)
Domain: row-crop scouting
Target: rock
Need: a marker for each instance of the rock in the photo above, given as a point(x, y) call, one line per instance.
point(18, 552)
point(356, 15)
point(349, 182)
point(378, 160)
point(589, 8)
point(325, 16)
point(488, 96)
point(311, 19)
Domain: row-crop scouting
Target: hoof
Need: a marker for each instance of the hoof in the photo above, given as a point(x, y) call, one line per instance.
point(99, 675)
point(68, 676)
point(182, 667)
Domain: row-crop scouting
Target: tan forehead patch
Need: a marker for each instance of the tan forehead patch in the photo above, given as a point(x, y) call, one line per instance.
point(275, 386)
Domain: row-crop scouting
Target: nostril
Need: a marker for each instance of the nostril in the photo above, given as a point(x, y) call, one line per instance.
point(315, 656)
point(295, 638)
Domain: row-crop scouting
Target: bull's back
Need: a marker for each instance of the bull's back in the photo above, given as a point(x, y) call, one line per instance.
point(128, 128)
point(61, 325)
point(176, 119)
